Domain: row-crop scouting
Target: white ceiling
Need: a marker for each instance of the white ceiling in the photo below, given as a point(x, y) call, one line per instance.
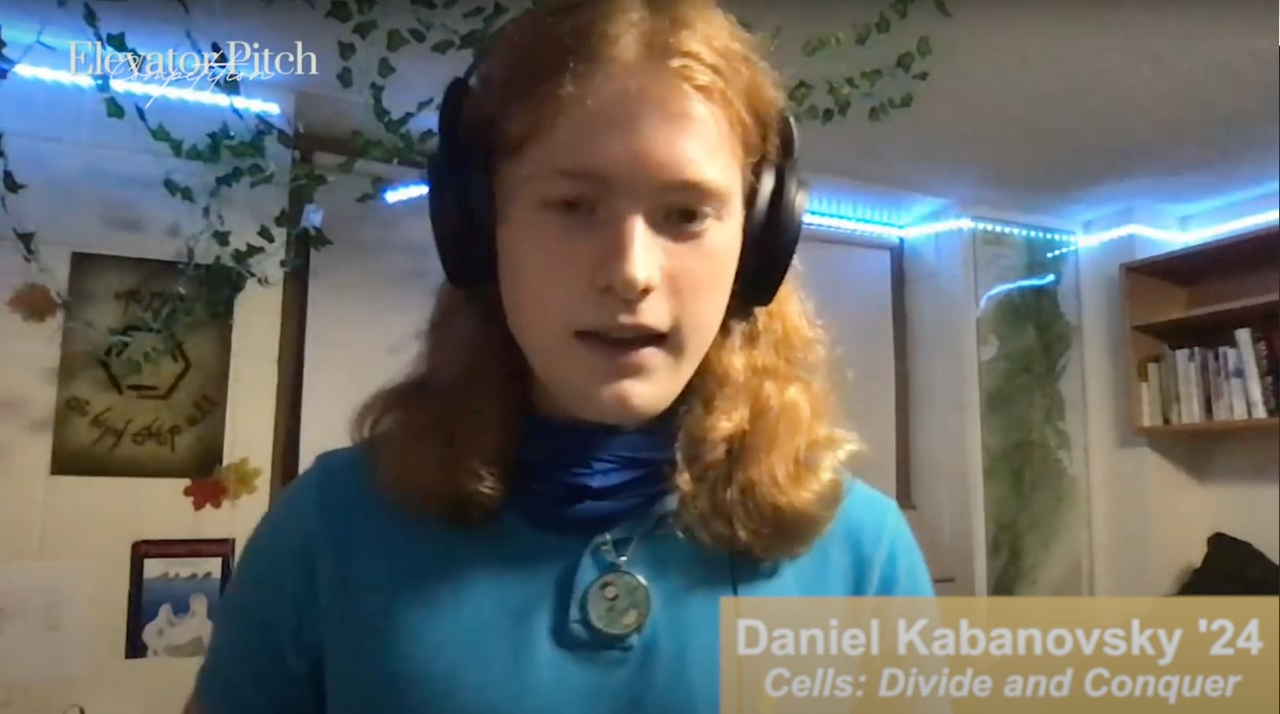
point(1079, 108)
point(1067, 110)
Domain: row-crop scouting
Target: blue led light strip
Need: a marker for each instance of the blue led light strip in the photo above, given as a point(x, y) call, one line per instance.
point(1041, 281)
point(1256, 220)
point(406, 192)
point(208, 97)
point(831, 221)
point(825, 219)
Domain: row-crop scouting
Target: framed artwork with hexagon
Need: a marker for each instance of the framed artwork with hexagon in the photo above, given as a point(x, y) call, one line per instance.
point(139, 394)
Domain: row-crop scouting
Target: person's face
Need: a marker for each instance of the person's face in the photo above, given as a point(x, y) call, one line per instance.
point(618, 234)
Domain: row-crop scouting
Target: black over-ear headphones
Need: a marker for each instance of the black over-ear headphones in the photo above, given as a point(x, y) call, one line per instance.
point(462, 208)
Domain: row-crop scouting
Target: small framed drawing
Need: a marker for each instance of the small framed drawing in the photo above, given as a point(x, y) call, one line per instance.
point(175, 587)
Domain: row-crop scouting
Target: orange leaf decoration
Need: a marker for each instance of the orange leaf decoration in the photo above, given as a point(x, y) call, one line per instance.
point(206, 492)
point(33, 302)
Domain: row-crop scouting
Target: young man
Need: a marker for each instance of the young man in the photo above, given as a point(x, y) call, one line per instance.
point(621, 414)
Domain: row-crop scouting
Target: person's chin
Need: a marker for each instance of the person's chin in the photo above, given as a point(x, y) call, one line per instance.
point(627, 403)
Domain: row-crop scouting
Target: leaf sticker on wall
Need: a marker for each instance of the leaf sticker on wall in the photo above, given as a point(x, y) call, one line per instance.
point(229, 483)
point(240, 479)
point(207, 491)
point(33, 302)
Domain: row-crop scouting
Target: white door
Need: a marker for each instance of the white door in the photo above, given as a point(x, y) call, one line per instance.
point(851, 290)
point(850, 283)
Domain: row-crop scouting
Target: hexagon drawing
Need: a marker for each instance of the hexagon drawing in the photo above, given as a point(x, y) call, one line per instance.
point(156, 380)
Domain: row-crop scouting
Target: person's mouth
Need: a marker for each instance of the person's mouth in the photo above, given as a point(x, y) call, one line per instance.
point(624, 339)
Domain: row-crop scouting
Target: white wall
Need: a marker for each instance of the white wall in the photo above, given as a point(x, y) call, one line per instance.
point(94, 184)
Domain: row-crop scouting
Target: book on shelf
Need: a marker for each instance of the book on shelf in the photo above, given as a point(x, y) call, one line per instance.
point(1235, 379)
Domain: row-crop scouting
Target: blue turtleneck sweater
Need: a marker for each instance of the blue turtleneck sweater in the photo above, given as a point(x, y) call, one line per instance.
point(342, 604)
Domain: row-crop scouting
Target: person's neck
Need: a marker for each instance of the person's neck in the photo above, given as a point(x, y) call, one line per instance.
point(573, 474)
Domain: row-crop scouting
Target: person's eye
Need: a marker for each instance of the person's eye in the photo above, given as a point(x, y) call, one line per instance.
point(688, 217)
point(572, 206)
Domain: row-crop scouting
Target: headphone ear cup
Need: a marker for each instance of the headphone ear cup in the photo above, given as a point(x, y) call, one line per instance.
point(460, 194)
point(758, 204)
point(482, 224)
point(754, 233)
point(775, 219)
point(779, 237)
point(784, 224)
point(446, 219)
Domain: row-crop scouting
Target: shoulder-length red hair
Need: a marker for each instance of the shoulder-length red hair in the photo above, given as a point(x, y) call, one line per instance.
point(760, 450)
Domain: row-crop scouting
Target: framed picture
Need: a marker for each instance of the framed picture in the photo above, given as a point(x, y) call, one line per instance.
point(134, 399)
point(175, 587)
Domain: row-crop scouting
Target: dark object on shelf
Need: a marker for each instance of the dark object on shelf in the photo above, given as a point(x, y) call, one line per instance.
point(1232, 567)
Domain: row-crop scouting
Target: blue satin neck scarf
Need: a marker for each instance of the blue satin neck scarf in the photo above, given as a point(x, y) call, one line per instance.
point(581, 476)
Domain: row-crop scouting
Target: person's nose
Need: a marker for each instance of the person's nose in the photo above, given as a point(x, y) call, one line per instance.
point(630, 263)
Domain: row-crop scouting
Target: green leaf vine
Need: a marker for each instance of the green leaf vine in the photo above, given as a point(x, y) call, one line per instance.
point(235, 153)
point(434, 27)
point(879, 89)
point(209, 285)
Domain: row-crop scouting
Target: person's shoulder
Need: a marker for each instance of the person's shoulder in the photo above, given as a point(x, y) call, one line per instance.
point(871, 531)
point(866, 512)
point(335, 476)
point(335, 480)
point(350, 465)
point(274, 608)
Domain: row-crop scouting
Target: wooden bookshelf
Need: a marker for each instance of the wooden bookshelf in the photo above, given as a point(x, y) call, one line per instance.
point(1210, 427)
point(1197, 297)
